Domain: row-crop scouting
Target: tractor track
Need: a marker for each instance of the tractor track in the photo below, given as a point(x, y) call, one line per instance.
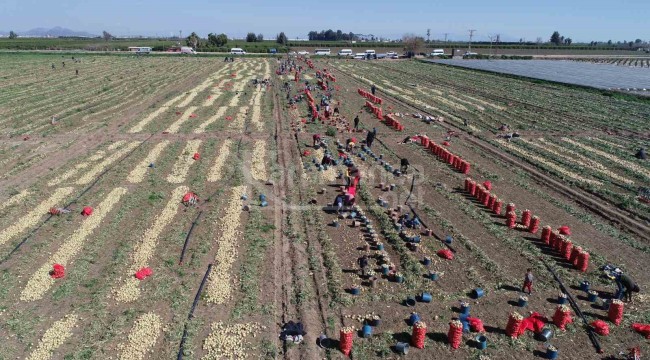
point(505, 100)
point(586, 199)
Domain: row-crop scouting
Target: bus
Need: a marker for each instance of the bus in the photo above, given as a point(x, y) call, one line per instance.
point(140, 49)
point(322, 52)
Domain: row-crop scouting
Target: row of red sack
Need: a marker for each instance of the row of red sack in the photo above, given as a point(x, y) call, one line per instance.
point(390, 121)
point(376, 110)
point(371, 97)
point(445, 155)
point(555, 239)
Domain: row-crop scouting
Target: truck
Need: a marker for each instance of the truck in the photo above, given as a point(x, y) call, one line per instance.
point(187, 50)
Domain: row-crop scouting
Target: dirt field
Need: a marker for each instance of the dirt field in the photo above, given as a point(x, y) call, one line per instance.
point(147, 277)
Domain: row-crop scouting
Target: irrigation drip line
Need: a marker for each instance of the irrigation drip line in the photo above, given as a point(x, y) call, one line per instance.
point(187, 238)
point(576, 308)
point(73, 201)
point(191, 313)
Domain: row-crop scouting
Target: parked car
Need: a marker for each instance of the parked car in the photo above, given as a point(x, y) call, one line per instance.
point(345, 52)
point(437, 52)
point(470, 54)
point(303, 52)
point(391, 53)
point(360, 56)
point(273, 51)
point(237, 51)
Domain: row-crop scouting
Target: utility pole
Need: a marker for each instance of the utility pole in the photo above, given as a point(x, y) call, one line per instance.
point(446, 37)
point(492, 38)
point(496, 49)
point(428, 35)
point(471, 34)
point(180, 34)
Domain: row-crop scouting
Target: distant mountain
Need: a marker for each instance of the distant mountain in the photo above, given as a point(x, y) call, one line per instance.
point(55, 32)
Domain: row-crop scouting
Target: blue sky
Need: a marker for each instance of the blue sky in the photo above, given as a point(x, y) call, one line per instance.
point(582, 20)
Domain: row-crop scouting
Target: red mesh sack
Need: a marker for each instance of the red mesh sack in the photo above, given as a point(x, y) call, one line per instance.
point(583, 261)
point(419, 333)
point(87, 211)
point(487, 184)
point(467, 182)
point(476, 324)
point(511, 220)
point(446, 254)
point(546, 235)
point(510, 208)
point(562, 317)
point(534, 225)
point(535, 323)
point(497, 207)
point(525, 218)
point(615, 313)
point(455, 334)
point(600, 327)
point(574, 255)
point(466, 168)
point(196, 156)
point(486, 198)
point(564, 230)
point(514, 323)
point(568, 249)
point(643, 329)
point(491, 201)
point(143, 273)
point(345, 341)
point(58, 271)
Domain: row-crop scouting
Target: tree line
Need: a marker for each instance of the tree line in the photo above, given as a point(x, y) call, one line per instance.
point(331, 35)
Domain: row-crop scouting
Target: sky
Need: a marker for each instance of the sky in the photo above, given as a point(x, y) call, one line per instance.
point(581, 20)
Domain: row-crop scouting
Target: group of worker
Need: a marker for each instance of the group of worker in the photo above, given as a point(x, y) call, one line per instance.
point(625, 286)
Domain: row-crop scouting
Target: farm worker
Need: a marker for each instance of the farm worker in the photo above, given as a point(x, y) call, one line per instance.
point(77, 72)
point(317, 139)
point(356, 122)
point(53, 67)
point(363, 264)
point(327, 160)
point(641, 154)
point(348, 177)
point(336, 110)
point(350, 146)
point(373, 89)
point(404, 165)
point(528, 281)
point(625, 286)
point(371, 137)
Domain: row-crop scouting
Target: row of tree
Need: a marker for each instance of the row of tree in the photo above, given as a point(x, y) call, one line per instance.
point(331, 35)
point(251, 37)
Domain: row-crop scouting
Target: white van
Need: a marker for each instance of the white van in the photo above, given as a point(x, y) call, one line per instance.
point(237, 51)
point(371, 52)
point(438, 52)
point(187, 50)
point(322, 52)
point(345, 52)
